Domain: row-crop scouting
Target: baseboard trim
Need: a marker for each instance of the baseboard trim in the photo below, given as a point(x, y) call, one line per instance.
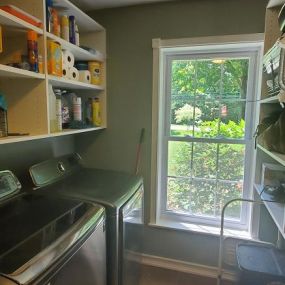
point(181, 266)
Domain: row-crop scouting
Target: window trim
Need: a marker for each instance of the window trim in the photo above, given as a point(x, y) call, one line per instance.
point(253, 42)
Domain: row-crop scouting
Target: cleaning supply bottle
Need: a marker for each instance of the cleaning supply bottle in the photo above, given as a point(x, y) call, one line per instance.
point(96, 110)
point(3, 117)
point(72, 24)
point(77, 38)
point(58, 107)
point(88, 111)
point(77, 109)
point(65, 109)
point(65, 27)
point(49, 4)
point(33, 51)
point(52, 109)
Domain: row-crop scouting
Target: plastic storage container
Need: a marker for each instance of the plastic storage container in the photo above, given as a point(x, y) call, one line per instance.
point(260, 265)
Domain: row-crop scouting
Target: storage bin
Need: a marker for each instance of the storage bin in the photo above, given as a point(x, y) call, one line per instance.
point(260, 265)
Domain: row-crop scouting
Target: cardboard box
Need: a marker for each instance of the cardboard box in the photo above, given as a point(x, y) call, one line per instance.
point(54, 58)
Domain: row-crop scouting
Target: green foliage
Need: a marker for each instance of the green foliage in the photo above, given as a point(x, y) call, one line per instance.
point(185, 114)
point(206, 181)
point(192, 192)
point(216, 128)
point(210, 84)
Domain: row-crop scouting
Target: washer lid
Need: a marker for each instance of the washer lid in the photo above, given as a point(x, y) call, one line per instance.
point(36, 230)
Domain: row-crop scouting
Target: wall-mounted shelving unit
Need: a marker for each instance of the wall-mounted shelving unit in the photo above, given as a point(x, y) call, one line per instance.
point(66, 132)
point(269, 104)
point(276, 210)
point(273, 99)
point(27, 92)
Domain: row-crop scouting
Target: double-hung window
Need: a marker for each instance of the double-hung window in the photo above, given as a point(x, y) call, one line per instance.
point(207, 100)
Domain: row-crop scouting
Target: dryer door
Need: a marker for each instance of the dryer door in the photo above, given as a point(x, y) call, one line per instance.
point(131, 239)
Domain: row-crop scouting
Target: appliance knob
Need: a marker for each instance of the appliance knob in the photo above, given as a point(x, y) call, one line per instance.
point(61, 167)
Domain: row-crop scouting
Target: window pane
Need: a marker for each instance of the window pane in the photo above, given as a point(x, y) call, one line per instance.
point(183, 114)
point(183, 86)
point(178, 195)
point(231, 162)
point(207, 101)
point(208, 77)
point(203, 195)
point(205, 97)
point(226, 192)
point(235, 76)
point(179, 158)
point(205, 160)
point(232, 123)
point(207, 125)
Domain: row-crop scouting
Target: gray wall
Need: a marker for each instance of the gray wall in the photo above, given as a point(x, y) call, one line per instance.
point(18, 157)
point(129, 37)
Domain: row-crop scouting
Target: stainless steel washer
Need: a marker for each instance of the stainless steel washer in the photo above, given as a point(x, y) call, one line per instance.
point(122, 196)
point(49, 240)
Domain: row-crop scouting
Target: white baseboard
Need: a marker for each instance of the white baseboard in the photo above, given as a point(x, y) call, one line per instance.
point(181, 266)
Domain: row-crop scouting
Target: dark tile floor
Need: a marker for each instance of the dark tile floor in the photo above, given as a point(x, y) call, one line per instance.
point(159, 276)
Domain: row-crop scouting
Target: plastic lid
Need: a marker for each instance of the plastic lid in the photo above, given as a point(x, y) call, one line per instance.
point(77, 100)
point(32, 36)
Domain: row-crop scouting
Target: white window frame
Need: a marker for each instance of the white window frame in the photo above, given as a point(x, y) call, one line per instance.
point(163, 52)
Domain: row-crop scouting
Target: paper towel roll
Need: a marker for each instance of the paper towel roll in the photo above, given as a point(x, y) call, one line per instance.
point(85, 76)
point(68, 58)
point(73, 74)
point(65, 71)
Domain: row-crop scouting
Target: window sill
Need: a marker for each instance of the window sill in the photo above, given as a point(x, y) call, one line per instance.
point(201, 229)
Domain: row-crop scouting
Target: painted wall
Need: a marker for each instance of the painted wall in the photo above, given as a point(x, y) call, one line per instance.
point(129, 38)
point(18, 157)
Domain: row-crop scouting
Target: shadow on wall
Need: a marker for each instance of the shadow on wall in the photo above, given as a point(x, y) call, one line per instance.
point(18, 157)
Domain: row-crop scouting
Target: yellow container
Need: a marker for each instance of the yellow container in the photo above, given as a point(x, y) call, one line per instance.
point(54, 58)
point(96, 113)
point(95, 68)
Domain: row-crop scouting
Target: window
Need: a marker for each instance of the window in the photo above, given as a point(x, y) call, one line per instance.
point(207, 112)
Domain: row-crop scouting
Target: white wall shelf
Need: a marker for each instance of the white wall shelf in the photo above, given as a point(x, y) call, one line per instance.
point(85, 23)
point(6, 19)
point(273, 99)
point(12, 72)
point(276, 210)
point(61, 82)
point(26, 92)
point(276, 156)
point(16, 139)
point(78, 52)
point(275, 3)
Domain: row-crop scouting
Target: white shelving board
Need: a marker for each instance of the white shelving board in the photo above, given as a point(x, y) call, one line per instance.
point(276, 210)
point(61, 82)
point(78, 52)
point(6, 19)
point(85, 23)
point(273, 99)
point(275, 3)
point(12, 72)
point(16, 139)
point(276, 156)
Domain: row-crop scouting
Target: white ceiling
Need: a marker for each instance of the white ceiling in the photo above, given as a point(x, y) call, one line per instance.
point(88, 5)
